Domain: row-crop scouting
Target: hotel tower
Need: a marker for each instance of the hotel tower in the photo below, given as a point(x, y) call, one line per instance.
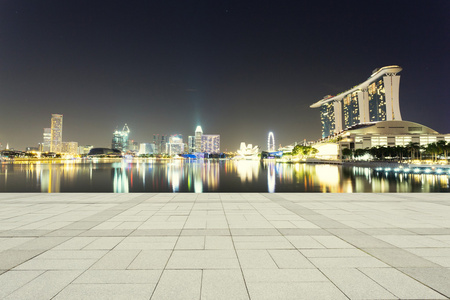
point(374, 100)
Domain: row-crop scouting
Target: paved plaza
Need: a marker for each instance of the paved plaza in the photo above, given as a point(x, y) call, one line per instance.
point(224, 246)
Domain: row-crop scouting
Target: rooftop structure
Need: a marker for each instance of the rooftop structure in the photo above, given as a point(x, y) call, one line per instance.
point(374, 100)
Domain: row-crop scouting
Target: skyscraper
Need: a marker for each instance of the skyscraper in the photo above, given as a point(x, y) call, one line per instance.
point(198, 139)
point(374, 100)
point(47, 140)
point(120, 139)
point(56, 133)
point(191, 144)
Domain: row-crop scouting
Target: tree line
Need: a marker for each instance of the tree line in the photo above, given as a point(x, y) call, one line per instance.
point(412, 151)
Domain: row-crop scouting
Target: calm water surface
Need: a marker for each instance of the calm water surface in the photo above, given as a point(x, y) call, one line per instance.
point(209, 176)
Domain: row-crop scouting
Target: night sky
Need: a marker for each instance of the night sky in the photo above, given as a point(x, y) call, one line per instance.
point(237, 68)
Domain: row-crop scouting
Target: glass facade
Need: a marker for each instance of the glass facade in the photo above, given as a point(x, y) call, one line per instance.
point(351, 110)
point(327, 119)
point(377, 101)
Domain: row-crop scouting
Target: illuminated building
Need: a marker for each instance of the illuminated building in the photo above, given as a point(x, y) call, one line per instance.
point(120, 139)
point(133, 146)
point(248, 152)
point(47, 140)
point(374, 100)
point(84, 149)
point(56, 133)
point(390, 134)
point(271, 142)
point(147, 148)
point(191, 144)
point(210, 143)
point(206, 143)
point(69, 148)
point(198, 139)
point(175, 145)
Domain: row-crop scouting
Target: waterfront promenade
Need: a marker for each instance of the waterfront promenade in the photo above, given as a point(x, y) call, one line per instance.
point(224, 246)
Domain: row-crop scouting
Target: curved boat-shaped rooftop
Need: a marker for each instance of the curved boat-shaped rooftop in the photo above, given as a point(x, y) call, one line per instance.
point(375, 75)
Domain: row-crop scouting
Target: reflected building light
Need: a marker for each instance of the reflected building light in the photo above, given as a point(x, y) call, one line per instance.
point(120, 181)
point(271, 178)
point(247, 170)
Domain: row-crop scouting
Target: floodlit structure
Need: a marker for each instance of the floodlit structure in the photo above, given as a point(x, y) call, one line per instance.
point(47, 140)
point(56, 133)
point(120, 139)
point(374, 100)
point(198, 139)
point(390, 134)
point(70, 148)
point(146, 148)
point(175, 144)
point(270, 142)
point(206, 143)
point(247, 152)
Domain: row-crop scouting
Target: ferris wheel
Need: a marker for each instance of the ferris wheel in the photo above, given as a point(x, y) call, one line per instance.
point(271, 142)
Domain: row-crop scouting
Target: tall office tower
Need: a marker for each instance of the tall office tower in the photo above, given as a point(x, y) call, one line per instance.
point(191, 144)
point(198, 139)
point(120, 139)
point(47, 140)
point(56, 133)
point(210, 143)
point(162, 146)
point(133, 146)
point(374, 100)
point(175, 145)
point(70, 148)
point(146, 148)
point(157, 143)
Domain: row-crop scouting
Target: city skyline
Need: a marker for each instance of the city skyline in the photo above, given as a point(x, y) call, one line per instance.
point(238, 69)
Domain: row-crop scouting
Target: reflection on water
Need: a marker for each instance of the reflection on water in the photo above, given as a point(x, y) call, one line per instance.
point(210, 176)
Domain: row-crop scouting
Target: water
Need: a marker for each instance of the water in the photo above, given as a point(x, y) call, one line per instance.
point(126, 176)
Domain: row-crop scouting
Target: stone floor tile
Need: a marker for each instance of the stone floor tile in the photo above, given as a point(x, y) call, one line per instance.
point(75, 243)
point(190, 242)
point(12, 258)
point(104, 243)
point(347, 262)
point(400, 258)
point(116, 260)
point(400, 284)
point(106, 291)
point(256, 259)
point(305, 242)
point(150, 260)
point(119, 276)
point(356, 285)
point(332, 242)
point(290, 259)
point(147, 243)
point(72, 254)
point(45, 286)
point(56, 264)
point(218, 242)
point(297, 291)
point(283, 275)
point(223, 284)
point(179, 284)
point(203, 259)
point(333, 253)
point(13, 280)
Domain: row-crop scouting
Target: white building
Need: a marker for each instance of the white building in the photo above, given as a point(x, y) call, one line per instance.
point(147, 148)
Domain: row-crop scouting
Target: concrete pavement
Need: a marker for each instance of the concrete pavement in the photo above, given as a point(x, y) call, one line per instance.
point(225, 246)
